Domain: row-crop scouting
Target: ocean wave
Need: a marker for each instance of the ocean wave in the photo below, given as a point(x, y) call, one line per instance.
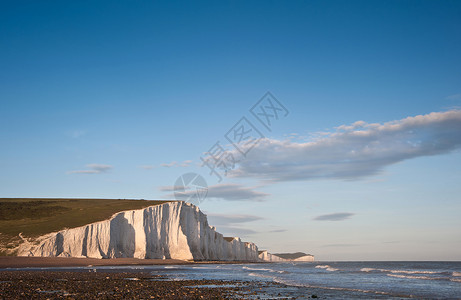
point(456, 274)
point(290, 283)
point(256, 269)
point(263, 269)
point(262, 276)
point(399, 271)
point(413, 272)
point(418, 277)
point(455, 280)
point(326, 267)
point(368, 269)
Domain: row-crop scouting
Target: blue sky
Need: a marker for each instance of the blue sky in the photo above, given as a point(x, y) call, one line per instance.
point(97, 99)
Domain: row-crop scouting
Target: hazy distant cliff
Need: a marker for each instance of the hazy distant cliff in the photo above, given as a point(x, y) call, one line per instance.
point(175, 230)
point(284, 257)
point(298, 256)
point(269, 257)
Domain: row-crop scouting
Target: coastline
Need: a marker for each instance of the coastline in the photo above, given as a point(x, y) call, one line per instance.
point(120, 285)
point(28, 277)
point(196, 280)
point(133, 284)
point(57, 262)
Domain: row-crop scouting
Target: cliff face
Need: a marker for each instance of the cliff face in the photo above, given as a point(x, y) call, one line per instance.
point(177, 230)
point(266, 256)
point(284, 257)
point(305, 258)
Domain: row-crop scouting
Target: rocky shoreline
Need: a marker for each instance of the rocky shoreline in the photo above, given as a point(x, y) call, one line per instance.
point(113, 284)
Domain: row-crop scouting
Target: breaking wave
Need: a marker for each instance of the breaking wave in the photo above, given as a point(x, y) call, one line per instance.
point(263, 269)
point(290, 283)
point(416, 277)
point(367, 269)
point(326, 267)
point(424, 277)
point(400, 271)
point(262, 276)
point(412, 272)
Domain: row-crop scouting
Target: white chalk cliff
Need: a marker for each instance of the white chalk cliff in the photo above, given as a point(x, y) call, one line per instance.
point(284, 257)
point(266, 256)
point(176, 230)
point(304, 258)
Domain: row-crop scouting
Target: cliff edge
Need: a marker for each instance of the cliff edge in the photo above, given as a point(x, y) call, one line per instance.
point(173, 230)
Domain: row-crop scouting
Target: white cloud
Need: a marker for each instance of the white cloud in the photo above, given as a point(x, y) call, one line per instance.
point(334, 217)
point(353, 151)
point(93, 169)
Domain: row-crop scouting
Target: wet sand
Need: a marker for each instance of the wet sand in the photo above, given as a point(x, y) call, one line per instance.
point(55, 262)
point(51, 262)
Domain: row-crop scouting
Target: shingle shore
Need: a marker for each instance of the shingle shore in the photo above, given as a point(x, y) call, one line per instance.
point(121, 285)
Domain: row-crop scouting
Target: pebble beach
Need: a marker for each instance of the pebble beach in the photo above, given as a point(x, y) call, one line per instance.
point(125, 285)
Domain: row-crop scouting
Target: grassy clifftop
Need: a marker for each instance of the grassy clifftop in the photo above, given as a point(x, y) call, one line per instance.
point(37, 216)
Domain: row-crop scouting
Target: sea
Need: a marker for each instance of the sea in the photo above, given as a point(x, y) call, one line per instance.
point(331, 280)
point(337, 280)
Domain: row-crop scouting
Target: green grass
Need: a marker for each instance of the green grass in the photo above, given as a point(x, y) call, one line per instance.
point(36, 216)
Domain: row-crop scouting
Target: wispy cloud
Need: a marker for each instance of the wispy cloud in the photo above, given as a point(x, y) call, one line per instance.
point(93, 169)
point(183, 164)
point(232, 192)
point(353, 151)
point(454, 97)
point(236, 231)
point(228, 224)
point(169, 188)
point(224, 191)
point(231, 219)
point(278, 230)
point(334, 217)
point(169, 165)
